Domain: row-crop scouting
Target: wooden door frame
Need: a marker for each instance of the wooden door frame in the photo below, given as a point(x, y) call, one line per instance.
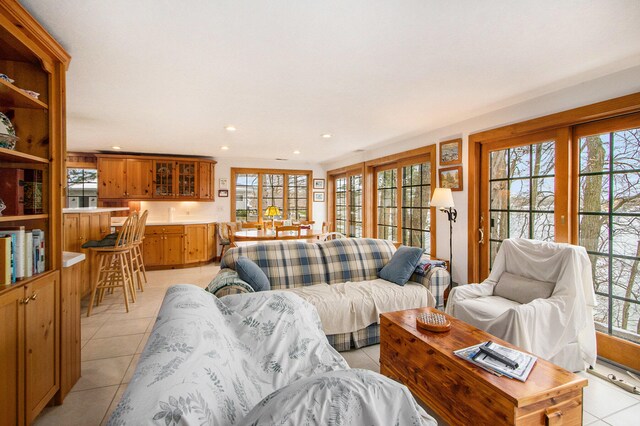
point(609, 347)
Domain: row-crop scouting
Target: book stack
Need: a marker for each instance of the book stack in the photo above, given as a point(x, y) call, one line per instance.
point(499, 360)
point(22, 253)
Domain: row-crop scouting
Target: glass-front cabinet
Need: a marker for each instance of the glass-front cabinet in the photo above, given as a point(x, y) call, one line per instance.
point(186, 182)
point(163, 179)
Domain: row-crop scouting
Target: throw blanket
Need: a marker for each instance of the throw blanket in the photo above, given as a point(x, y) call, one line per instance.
point(211, 362)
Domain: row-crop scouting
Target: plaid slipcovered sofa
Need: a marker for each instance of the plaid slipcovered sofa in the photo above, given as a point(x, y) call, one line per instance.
point(294, 264)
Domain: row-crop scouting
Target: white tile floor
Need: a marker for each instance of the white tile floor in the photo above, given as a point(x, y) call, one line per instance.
point(113, 340)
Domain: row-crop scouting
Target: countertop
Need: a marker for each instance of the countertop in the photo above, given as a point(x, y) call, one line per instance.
point(117, 221)
point(70, 258)
point(94, 209)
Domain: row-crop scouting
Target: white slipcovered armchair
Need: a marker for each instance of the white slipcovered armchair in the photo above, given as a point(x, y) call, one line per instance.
point(548, 308)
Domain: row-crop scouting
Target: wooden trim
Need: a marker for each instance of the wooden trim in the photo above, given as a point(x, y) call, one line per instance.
point(603, 126)
point(449, 142)
point(618, 350)
point(247, 170)
point(178, 158)
point(417, 152)
point(473, 205)
point(597, 111)
point(344, 170)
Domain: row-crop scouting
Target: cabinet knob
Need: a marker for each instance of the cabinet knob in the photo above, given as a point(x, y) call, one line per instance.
point(25, 301)
point(34, 296)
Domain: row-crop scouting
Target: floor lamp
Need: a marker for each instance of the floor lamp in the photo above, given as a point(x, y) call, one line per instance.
point(443, 198)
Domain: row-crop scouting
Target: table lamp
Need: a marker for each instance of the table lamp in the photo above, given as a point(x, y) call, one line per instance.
point(272, 211)
point(443, 198)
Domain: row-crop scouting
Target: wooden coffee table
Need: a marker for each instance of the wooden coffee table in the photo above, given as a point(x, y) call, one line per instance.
point(462, 393)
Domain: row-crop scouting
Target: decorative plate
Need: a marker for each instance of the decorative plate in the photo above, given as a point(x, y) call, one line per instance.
point(6, 78)
point(8, 137)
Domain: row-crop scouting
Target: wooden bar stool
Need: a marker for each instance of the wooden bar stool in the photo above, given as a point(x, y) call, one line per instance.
point(135, 254)
point(114, 269)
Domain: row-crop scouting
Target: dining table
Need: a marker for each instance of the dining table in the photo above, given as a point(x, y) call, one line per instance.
point(270, 234)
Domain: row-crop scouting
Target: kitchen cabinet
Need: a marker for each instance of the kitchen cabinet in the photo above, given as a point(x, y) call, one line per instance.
point(177, 246)
point(155, 177)
point(29, 347)
point(196, 243)
point(128, 178)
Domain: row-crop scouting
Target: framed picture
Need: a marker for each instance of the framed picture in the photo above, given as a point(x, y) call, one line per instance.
point(223, 183)
point(223, 193)
point(451, 152)
point(318, 197)
point(451, 177)
point(318, 184)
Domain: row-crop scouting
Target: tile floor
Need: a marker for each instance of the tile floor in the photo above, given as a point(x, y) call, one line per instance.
point(113, 340)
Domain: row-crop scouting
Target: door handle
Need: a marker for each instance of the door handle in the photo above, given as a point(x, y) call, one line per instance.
point(481, 236)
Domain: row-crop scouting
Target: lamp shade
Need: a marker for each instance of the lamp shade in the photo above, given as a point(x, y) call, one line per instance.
point(442, 197)
point(272, 211)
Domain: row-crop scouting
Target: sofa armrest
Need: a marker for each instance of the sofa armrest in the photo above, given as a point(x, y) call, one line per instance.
point(436, 280)
point(228, 282)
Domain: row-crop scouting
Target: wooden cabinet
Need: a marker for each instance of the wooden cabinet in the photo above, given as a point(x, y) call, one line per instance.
point(129, 178)
point(164, 245)
point(29, 348)
point(196, 243)
point(212, 246)
point(70, 328)
point(145, 177)
point(206, 181)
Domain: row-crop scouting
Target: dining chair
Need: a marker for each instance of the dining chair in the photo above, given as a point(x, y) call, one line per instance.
point(328, 236)
point(288, 230)
point(231, 232)
point(251, 225)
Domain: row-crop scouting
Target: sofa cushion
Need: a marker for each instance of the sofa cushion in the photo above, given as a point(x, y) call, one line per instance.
point(355, 259)
point(521, 289)
point(402, 265)
point(251, 273)
point(351, 306)
point(287, 264)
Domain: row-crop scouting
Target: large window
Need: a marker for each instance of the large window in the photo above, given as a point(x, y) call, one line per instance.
point(82, 187)
point(355, 206)
point(253, 190)
point(416, 212)
point(387, 204)
point(341, 205)
point(609, 223)
point(348, 213)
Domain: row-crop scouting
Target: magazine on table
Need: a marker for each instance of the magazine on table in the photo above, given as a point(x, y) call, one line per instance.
point(521, 363)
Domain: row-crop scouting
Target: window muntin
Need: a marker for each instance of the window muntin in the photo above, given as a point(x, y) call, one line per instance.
point(416, 212)
point(273, 192)
point(298, 190)
point(82, 187)
point(609, 226)
point(341, 205)
point(355, 206)
point(247, 208)
point(521, 194)
point(387, 209)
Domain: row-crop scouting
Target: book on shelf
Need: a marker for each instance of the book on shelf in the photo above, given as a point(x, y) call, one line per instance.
point(499, 360)
point(33, 191)
point(25, 255)
point(12, 191)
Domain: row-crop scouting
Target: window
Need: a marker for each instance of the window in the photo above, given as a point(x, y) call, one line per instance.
point(341, 205)
point(256, 189)
point(387, 205)
point(82, 187)
point(355, 206)
point(416, 212)
point(609, 223)
point(347, 208)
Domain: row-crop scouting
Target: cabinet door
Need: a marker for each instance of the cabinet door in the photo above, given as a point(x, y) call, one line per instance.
point(71, 232)
point(212, 247)
point(111, 178)
point(187, 172)
point(173, 249)
point(196, 243)
point(70, 294)
point(104, 224)
point(12, 356)
point(205, 181)
point(41, 342)
point(152, 250)
point(139, 178)
point(163, 181)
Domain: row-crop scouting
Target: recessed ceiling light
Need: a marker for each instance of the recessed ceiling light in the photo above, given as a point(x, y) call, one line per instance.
point(326, 135)
point(230, 128)
point(224, 148)
point(296, 152)
point(116, 147)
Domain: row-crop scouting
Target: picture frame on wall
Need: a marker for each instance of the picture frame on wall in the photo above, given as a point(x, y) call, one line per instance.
point(451, 177)
point(318, 184)
point(222, 193)
point(223, 183)
point(318, 197)
point(451, 152)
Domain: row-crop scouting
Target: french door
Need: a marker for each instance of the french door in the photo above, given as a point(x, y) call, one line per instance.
point(523, 192)
point(348, 204)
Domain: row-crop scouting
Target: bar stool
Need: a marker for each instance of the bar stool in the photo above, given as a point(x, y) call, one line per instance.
point(135, 254)
point(114, 269)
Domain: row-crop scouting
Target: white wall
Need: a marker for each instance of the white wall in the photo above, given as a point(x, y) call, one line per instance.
point(220, 209)
point(611, 86)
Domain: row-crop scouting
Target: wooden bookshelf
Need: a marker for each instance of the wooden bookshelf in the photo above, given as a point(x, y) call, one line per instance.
point(11, 96)
point(9, 155)
point(23, 217)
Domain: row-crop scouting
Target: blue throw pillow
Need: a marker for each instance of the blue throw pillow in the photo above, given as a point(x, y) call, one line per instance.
point(251, 273)
point(402, 265)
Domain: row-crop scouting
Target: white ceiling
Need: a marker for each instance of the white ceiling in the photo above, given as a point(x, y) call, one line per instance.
point(167, 76)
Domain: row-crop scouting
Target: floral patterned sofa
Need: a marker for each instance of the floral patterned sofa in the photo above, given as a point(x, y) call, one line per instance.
point(340, 278)
point(257, 359)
